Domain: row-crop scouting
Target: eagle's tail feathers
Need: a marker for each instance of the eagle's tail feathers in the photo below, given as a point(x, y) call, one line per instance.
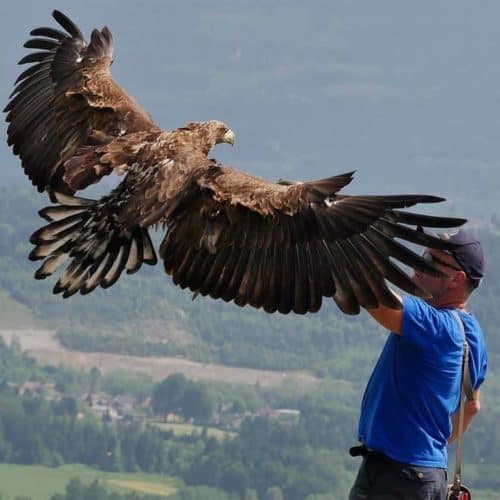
point(85, 236)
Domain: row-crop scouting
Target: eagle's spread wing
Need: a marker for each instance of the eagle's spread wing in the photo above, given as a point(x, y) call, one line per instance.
point(284, 248)
point(236, 237)
point(69, 121)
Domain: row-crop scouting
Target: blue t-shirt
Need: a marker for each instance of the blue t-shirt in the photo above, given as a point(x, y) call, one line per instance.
point(415, 385)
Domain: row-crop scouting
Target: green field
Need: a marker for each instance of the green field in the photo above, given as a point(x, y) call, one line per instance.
point(13, 314)
point(183, 429)
point(40, 483)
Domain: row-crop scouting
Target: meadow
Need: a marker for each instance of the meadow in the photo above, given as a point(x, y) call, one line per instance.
point(40, 483)
point(189, 429)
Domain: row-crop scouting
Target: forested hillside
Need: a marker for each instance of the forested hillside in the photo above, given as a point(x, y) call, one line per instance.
point(145, 314)
point(298, 458)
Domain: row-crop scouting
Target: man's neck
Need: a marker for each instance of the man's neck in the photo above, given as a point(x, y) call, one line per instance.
point(448, 304)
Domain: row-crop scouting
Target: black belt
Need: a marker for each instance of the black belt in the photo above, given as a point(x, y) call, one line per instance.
point(363, 451)
point(359, 451)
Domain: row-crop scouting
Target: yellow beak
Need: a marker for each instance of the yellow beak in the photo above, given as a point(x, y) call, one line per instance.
point(229, 137)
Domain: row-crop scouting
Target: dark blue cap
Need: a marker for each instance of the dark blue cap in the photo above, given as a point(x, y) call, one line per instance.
point(469, 254)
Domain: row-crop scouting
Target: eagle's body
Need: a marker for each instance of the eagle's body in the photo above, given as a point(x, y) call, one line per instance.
point(278, 246)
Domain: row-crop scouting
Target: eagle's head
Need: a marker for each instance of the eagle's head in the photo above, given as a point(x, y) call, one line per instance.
point(207, 134)
point(218, 132)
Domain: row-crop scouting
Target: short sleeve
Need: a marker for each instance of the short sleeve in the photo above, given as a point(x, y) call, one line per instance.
point(428, 327)
point(478, 371)
point(478, 357)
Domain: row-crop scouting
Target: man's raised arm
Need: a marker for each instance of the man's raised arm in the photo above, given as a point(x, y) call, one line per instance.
point(392, 319)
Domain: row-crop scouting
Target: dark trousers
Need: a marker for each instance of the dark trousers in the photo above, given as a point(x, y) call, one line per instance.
point(380, 478)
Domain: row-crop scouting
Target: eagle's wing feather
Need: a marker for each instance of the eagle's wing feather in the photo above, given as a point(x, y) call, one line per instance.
point(236, 237)
point(66, 109)
point(102, 238)
point(284, 248)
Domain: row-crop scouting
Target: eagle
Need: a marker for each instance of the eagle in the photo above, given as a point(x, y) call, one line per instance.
point(279, 246)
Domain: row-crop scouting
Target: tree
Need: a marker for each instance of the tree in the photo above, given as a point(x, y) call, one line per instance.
point(250, 494)
point(95, 492)
point(198, 402)
point(5, 450)
point(67, 406)
point(238, 406)
point(168, 395)
point(274, 493)
point(235, 479)
point(32, 405)
point(95, 376)
point(75, 489)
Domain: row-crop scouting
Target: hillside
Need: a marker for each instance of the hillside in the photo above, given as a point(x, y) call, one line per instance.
point(144, 314)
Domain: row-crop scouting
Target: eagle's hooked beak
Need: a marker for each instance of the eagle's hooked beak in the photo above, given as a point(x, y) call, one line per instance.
point(229, 137)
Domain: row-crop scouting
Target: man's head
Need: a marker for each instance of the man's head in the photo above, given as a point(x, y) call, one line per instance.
point(463, 268)
point(469, 255)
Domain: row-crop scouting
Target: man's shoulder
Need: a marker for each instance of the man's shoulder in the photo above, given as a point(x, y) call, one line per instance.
point(423, 312)
point(429, 326)
point(416, 306)
point(411, 303)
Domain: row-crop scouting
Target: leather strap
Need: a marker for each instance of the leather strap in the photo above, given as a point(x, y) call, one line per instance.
point(466, 392)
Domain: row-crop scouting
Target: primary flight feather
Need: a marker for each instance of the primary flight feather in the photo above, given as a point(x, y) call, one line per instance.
point(277, 246)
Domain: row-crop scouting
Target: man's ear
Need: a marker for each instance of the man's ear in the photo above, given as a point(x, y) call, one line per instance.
point(460, 278)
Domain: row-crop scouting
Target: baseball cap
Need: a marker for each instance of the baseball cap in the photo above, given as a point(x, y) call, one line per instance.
point(468, 253)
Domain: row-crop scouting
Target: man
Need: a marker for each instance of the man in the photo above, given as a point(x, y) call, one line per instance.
point(409, 410)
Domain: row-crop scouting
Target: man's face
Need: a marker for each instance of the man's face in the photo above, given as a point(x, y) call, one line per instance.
point(445, 263)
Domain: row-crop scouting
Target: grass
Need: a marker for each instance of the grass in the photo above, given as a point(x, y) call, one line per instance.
point(40, 483)
point(146, 487)
point(14, 314)
point(183, 429)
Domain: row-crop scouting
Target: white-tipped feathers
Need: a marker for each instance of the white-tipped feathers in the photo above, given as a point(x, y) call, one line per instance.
point(97, 248)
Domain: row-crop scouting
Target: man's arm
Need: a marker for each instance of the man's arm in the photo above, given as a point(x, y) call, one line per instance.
point(392, 319)
point(472, 407)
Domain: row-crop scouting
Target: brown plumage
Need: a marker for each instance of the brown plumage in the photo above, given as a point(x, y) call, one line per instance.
point(277, 246)
point(68, 119)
